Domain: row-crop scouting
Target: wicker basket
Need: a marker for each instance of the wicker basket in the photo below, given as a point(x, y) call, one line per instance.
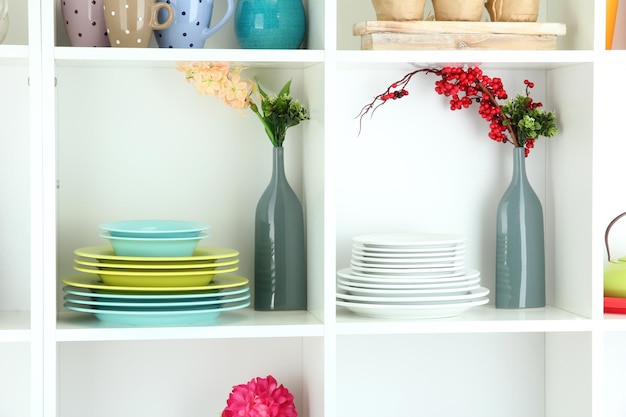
point(513, 10)
point(399, 10)
point(458, 10)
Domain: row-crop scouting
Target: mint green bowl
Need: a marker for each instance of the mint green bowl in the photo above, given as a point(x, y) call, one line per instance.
point(154, 247)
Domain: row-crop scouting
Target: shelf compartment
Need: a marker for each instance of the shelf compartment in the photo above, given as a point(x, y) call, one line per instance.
point(14, 327)
point(15, 397)
point(528, 374)
point(146, 377)
point(234, 324)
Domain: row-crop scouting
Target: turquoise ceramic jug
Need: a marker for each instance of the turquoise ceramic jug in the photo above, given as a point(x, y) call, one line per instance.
point(270, 24)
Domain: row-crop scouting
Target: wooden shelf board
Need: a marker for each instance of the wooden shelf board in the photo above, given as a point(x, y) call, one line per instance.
point(433, 35)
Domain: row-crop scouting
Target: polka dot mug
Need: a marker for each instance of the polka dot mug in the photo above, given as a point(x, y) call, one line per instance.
point(130, 22)
point(192, 23)
point(84, 22)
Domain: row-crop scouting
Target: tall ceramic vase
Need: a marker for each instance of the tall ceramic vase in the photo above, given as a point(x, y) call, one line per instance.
point(520, 252)
point(270, 24)
point(279, 252)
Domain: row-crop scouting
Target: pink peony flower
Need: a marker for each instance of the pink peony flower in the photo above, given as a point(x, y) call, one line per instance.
point(260, 397)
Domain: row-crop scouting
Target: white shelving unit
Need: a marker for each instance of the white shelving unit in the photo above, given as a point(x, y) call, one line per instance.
point(98, 134)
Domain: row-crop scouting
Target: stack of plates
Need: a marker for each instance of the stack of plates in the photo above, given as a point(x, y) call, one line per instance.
point(156, 290)
point(409, 276)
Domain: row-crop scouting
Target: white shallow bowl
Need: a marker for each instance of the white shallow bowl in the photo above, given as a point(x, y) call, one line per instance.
point(154, 247)
point(409, 240)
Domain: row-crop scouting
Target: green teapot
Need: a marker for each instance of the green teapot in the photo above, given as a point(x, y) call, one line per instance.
point(615, 270)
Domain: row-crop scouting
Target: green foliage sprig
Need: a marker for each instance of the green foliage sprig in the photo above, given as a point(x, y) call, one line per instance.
point(279, 113)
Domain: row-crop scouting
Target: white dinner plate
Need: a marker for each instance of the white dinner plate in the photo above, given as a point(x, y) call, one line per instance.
point(409, 240)
point(394, 286)
point(406, 265)
point(426, 250)
point(408, 272)
point(472, 295)
point(411, 311)
point(348, 273)
point(376, 292)
point(407, 262)
point(359, 250)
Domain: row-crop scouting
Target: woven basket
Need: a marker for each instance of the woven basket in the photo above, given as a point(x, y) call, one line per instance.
point(513, 10)
point(399, 10)
point(458, 10)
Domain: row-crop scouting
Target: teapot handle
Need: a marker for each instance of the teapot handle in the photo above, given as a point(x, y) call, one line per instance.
point(606, 234)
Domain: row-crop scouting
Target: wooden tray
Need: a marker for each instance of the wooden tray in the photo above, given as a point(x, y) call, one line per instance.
point(432, 35)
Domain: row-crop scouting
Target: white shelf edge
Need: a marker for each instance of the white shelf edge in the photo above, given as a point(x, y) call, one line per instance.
point(15, 327)
point(484, 319)
point(614, 322)
point(245, 323)
point(78, 56)
point(527, 59)
point(17, 54)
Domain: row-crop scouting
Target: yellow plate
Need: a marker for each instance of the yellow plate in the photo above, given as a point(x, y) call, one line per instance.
point(156, 278)
point(202, 253)
point(160, 265)
point(92, 282)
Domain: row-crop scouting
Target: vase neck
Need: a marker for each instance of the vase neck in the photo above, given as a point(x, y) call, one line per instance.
point(519, 164)
point(278, 167)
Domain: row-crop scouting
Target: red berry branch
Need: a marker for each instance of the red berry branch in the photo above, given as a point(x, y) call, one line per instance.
point(521, 118)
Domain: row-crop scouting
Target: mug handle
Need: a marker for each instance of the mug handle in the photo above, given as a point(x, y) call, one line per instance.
point(206, 32)
point(156, 25)
point(5, 9)
point(606, 234)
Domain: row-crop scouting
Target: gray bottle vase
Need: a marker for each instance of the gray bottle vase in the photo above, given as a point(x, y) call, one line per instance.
point(280, 281)
point(520, 251)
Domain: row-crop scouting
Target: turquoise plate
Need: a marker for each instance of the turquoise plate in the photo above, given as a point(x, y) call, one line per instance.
point(158, 318)
point(146, 304)
point(166, 296)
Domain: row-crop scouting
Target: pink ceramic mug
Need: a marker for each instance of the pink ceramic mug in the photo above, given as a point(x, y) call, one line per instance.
point(84, 22)
point(130, 22)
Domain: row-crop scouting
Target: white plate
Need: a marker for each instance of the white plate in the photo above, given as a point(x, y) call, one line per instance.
point(407, 265)
point(407, 261)
point(480, 292)
point(410, 240)
point(376, 292)
point(417, 279)
point(394, 286)
point(386, 254)
point(418, 251)
point(409, 272)
point(409, 312)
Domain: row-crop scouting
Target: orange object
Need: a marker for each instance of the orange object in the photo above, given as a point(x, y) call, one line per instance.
point(611, 14)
